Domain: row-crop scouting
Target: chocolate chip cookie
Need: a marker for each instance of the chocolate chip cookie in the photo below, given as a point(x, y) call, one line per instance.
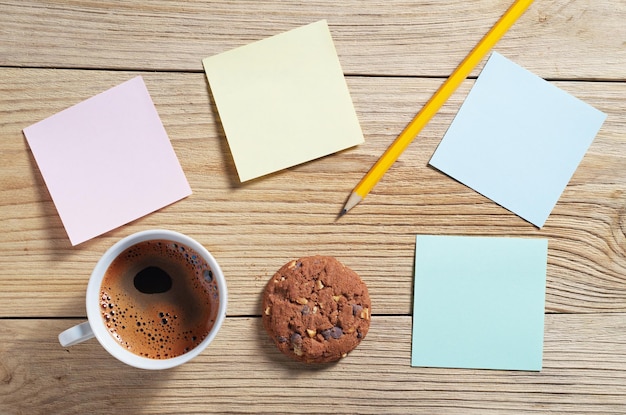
point(316, 309)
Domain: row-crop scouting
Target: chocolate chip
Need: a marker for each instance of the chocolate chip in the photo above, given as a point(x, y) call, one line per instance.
point(356, 309)
point(282, 339)
point(296, 338)
point(336, 332)
point(306, 310)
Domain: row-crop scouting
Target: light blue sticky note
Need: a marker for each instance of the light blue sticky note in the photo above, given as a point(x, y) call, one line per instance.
point(479, 302)
point(517, 139)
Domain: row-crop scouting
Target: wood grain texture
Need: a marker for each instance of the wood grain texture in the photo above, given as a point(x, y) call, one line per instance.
point(555, 39)
point(54, 54)
point(586, 229)
point(584, 372)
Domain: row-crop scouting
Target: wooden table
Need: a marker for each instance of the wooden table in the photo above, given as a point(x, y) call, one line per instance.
point(394, 53)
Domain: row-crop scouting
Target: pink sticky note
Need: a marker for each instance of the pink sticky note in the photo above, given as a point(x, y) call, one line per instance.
point(107, 161)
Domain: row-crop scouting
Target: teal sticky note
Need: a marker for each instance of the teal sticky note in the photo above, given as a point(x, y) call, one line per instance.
point(517, 139)
point(479, 302)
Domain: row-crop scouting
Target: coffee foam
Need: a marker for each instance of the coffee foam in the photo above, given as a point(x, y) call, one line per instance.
point(160, 325)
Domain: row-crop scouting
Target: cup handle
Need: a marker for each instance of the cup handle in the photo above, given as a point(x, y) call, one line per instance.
point(77, 334)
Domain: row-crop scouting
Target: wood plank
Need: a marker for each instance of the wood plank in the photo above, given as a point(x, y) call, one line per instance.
point(584, 373)
point(254, 228)
point(555, 39)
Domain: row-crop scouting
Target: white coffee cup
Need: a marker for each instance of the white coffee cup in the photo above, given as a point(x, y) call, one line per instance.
point(96, 327)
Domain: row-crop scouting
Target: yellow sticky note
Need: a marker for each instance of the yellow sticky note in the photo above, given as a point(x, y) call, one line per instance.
point(283, 100)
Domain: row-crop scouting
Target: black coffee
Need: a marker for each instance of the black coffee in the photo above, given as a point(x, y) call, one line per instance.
point(159, 299)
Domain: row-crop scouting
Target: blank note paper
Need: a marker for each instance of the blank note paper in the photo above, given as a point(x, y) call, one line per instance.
point(517, 139)
point(479, 302)
point(283, 100)
point(107, 161)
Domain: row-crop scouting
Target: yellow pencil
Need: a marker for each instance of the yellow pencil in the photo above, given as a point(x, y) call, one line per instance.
point(444, 92)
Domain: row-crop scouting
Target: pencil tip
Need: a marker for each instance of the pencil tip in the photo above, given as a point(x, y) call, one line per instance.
point(353, 200)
